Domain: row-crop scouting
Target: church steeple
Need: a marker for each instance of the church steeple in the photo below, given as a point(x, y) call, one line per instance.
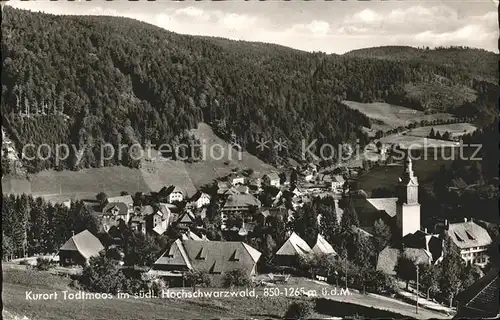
point(408, 208)
point(408, 183)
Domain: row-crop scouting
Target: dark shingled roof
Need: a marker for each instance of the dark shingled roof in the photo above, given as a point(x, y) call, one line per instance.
point(480, 300)
point(210, 256)
point(121, 206)
point(85, 243)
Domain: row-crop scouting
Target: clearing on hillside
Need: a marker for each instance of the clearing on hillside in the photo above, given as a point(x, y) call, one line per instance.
point(58, 186)
point(389, 116)
point(223, 160)
point(407, 141)
point(455, 129)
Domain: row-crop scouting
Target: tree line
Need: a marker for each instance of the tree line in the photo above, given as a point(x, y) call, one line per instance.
point(94, 80)
point(33, 226)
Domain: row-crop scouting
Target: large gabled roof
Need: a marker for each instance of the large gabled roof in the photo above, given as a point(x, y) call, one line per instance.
point(175, 256)
point(242, 200)
point(272, 176)
point(294, 245)
point(211, 256)
point(384, 204)
point(127, 199)
point(121, 208)
point(323, 247)
point(468, 234)
point(85, 243)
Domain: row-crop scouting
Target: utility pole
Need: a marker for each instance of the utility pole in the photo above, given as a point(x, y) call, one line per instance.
point(346, 272)
point(417, 292)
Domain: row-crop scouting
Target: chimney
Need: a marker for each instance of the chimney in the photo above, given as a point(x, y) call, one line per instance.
point(425, 230)
point(465, 219)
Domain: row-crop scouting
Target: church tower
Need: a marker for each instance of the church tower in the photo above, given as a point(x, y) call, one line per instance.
point(407, 206)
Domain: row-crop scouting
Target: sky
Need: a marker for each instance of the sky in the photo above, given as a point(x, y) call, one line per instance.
point(327, 26)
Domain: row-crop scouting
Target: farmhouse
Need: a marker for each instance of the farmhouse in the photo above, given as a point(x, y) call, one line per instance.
point(79, 249)
point(214, 257)
point(271, 179)
point(471, 241)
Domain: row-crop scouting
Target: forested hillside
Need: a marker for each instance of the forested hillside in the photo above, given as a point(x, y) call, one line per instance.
point(88, 80)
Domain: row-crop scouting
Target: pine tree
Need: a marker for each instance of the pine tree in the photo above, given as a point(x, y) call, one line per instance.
point(381, 235)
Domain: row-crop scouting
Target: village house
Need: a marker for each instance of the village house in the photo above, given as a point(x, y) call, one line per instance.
point(337, 183)
point(241, 189)
point(214, 257)
point(67, 203)
point(138, 221)
point(79, 249)
point(160, 220)
point(291, 250)
point(271, 179)
point(295, 247)
point(127, 199)
point(433, 243)
point(173, 194)
point(200, 199)
point(114, 214)
point(239, 203)
point(280, 212)
point(186, 220)
point(255, 184)
point(471, 241)
point(237, 179)
point(222, 187)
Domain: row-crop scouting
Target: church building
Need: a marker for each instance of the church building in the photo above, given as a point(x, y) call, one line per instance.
point(407, 206)
point(402, 213)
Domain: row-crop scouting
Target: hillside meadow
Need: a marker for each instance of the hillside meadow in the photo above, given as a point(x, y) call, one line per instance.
point(151, 176)
point(389, 116)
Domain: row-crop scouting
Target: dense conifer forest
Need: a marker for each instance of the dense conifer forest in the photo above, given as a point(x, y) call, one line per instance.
point(90, 80)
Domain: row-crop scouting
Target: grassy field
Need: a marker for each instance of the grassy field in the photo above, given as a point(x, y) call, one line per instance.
point(388, 176)
point(18, 282)
point(407, 141)
point(392, 116)
point(152, 176)
point(213, 167)
point(452, 128)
